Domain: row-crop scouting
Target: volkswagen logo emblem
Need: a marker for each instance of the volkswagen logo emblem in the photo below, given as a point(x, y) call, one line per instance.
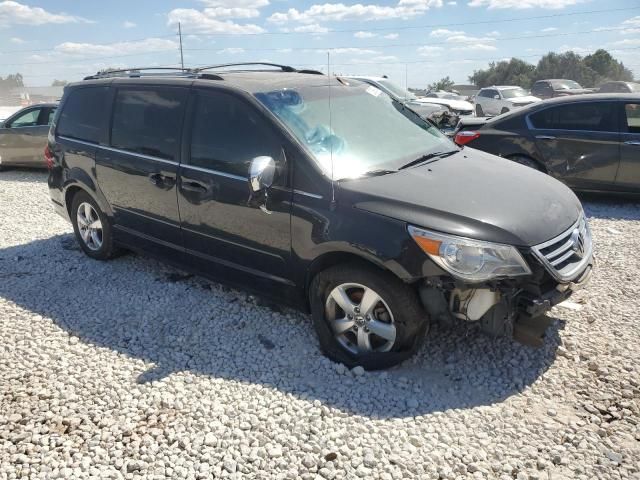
point(577, 244)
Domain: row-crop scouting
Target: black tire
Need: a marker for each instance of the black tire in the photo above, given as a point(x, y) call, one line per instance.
point(410, 319)
point(504, 110)
point(479, 111)
point(526, 161)
point(107, 249)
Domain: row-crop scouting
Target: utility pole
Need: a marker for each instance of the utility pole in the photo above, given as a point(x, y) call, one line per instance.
point(181, 55)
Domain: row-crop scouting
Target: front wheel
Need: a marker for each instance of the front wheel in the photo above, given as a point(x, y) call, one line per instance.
point(366, 317)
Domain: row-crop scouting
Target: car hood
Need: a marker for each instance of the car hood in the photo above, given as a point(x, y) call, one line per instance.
point(471, 194)
point(454, 104)
point(527, 99)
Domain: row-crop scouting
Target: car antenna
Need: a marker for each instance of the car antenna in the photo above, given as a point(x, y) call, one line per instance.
point(333, 187)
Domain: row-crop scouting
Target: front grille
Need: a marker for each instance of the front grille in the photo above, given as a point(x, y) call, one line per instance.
point(566, 256)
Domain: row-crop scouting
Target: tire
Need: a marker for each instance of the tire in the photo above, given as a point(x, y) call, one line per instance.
point(526, 161)
point(504, 110)
point(96, 242)
point(479, 111)
point(397, 315)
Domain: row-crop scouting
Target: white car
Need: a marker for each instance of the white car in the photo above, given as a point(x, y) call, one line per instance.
point(498, 100)
point(455, 102)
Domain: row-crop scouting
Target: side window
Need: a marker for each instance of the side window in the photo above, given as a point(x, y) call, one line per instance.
point(492, 93)
point(84, 114)
point(632, 114)
point(149, 121)
point(27, 119)
point(484, 94)
point(228, 133)
point(596, 116)
point(48, 118)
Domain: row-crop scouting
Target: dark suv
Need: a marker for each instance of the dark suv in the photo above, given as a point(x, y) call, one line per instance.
point(557, 88)
point(316, 192)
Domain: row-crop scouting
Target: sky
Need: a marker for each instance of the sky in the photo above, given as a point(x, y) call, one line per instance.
point(414, 42)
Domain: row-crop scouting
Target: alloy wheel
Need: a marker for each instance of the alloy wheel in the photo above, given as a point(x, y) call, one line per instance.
point(361, 320)
point(89, 226)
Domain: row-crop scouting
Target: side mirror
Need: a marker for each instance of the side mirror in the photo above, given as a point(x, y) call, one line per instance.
point(261, 173)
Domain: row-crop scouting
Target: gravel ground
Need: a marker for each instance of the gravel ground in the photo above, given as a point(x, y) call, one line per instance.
point(131, 369)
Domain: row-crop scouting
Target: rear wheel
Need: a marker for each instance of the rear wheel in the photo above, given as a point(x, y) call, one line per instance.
point(366, 317)
point(91, 227)
point(526, 161)
point(479, 111)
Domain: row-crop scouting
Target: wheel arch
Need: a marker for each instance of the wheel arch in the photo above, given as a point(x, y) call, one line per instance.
point(80, 181)
point(539, 164)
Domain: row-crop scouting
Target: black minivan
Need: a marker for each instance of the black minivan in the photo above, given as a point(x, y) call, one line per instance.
point(320, 192)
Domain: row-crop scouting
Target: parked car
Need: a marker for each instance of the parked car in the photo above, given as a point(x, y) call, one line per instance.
point(619, 87)
point(23, 136)
point(455, 102)
point(315, 192)
point(421, 106)
point(501, 99)
point(557, 88)
point(590, 142)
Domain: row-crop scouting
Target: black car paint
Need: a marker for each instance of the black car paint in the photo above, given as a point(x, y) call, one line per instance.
point(584, 160)
point(313, 223)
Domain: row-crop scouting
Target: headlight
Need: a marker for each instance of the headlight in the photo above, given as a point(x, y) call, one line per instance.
point(468, 259)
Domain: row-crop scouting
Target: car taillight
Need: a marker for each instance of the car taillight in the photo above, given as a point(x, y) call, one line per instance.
point(48, 157)
point(465, 136)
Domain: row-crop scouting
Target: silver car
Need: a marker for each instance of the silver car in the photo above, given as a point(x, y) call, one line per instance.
point(23, 136)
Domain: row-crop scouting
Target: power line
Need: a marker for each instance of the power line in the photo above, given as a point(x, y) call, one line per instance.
point(413, 27)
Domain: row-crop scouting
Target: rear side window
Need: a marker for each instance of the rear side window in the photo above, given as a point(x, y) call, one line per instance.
point(596, 116)
point(148, 121)
point(84, 114)
point(228, 133)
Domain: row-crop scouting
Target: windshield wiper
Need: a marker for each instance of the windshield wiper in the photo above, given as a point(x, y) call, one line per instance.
point(377, 173)
point(429, 156)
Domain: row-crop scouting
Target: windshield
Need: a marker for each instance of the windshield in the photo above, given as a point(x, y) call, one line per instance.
point(566, 85)
point(514, 93)
point(367, 131)
point(397, 90)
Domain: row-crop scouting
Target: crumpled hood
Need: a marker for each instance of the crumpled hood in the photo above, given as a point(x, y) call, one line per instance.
point(527, 99)
point(472, 194)
point(454, 104)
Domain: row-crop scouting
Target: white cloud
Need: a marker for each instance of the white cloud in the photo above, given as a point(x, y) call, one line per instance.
point(14, 13)
point(391, 36)
point(120, 48)
point(629, 42)
point(16, 40)
point(231, 51)
point(429, 51)
point(549, 29)
point(521, 4)
point(362, 34)
point(453, 4)
point(633, 26)
point(375, 60)
point(312, 28)
point(485, 47)
point(336, 12)
point(353, 51)
point(128, 24)
point(443, 32)
point(233, 8)
point(207, 21)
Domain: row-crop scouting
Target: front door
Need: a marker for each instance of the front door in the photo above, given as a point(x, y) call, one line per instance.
point(628, 178)
point(228, 231)
point(579, 142)
point(23, 137)
point(138, 171)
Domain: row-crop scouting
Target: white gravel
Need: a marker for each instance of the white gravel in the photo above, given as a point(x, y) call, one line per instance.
point(130, 369)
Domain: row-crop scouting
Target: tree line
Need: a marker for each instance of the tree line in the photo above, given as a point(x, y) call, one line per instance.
point(589, 71)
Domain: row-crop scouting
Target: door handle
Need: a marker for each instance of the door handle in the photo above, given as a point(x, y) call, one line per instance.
point(194, 187)
point(161, 180)
point(545, 137)
point(633, 142)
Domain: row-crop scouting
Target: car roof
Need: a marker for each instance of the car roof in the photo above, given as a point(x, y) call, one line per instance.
point(365, 77)
point(250, 81)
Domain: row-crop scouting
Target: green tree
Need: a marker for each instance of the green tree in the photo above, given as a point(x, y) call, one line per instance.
point(59, 83)
point(607, 67)
point(512, 72)
point(567, 65)
point(12, 81)
point(443, 84)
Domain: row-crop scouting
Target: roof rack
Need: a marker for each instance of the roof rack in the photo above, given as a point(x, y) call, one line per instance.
point(199, 72)
point(139, 72)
